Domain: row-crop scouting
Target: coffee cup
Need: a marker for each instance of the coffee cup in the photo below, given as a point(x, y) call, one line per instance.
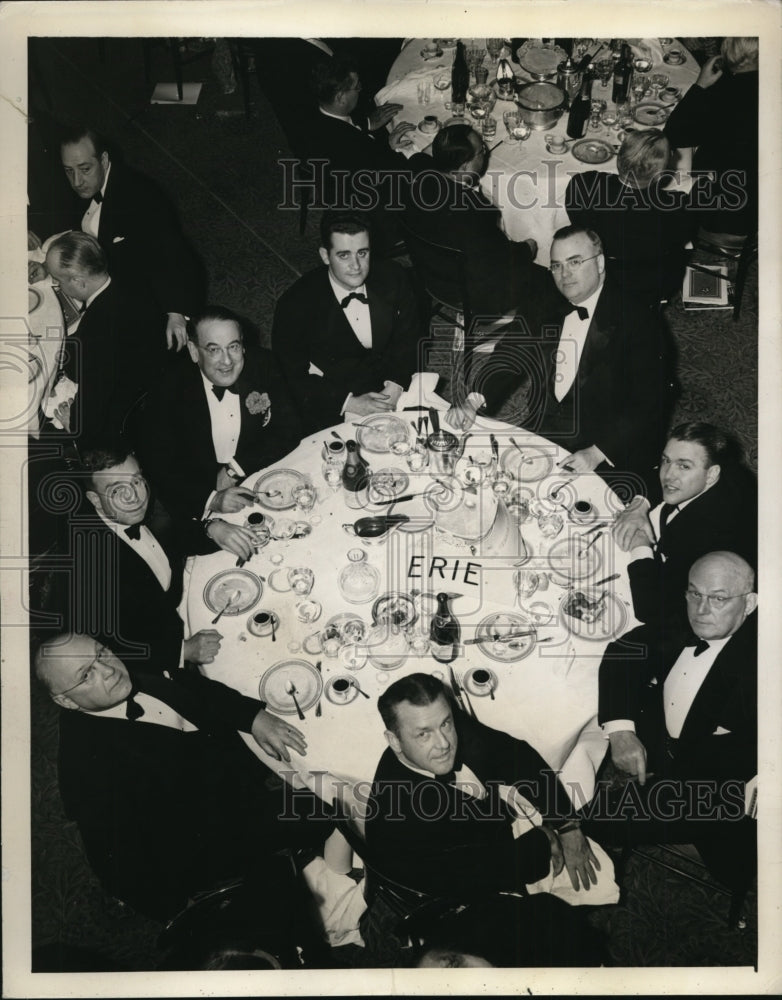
point(340, 689)
point(555, 144)
point(262, 623)
point(582, 512)
point(481, 679)
point(429, 123)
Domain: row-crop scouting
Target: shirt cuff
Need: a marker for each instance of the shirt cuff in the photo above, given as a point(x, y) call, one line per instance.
point(641, 552)
point(618, 726)
point(603, 456)
point(345, 404)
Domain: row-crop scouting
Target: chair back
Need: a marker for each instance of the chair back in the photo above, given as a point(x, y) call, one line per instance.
point(441, 269)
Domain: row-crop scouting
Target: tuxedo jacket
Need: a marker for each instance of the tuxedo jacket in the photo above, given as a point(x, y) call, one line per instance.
point(724, 518)
point(618, 397)
point(140, 234)
point(162, 811)
point(496, 270)
point(178, 451)
point(310, 327)
point(434, 838)
point(633, 689)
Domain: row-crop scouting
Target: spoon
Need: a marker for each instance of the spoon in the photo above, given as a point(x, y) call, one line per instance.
point(520, 450)
point(268, 493)
point(358, 688)
point(274, 628)
point(591, 542)
point(318, 710)
point(290, 687)
point(236, 594)
point(334, 434)
point(555, 493)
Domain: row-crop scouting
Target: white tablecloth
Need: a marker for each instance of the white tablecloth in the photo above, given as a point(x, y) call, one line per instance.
point(549, 698)
point(47, 328)
point(525, 181)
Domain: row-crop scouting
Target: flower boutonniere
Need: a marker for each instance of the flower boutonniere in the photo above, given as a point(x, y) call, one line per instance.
point(259, 402)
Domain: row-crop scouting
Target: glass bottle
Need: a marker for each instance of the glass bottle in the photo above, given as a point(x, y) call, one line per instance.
point(444, 631)
point(460, 76)
point(622, 73)
point(580, 109)
point(355, 477)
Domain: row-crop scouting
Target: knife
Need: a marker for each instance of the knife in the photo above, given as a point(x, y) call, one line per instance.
point(435, 418)
point(318, 710)
point(495, 448)
point(501, 638)
point(455, 688)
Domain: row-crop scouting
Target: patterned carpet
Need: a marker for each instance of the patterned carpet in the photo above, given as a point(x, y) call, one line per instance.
point(222, 171)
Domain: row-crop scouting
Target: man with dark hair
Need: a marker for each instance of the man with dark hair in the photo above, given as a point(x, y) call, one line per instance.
point(112, 355)
point(137, 227)
point(223, 413)
point(596, 368)
point(346, 334)
point(167, 799)
point(708, 504)
point(446, 205)
point(436, 820)
point(686, 717)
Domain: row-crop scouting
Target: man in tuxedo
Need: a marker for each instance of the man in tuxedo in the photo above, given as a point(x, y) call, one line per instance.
point(167, 799)
point(708, 504)
point(435, 820)
point(220, 414)
point(595, 368)
point(111, 354)
point(137, 227)
point(346, 334)
point(446, 205)
point(125, 581)
point(686, 717)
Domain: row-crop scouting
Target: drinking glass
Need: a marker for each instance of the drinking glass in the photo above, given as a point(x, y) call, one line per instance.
point(301, 579)
point(493, 47)
point(304, 496)
point(489, 127)
point(656, 83)
point(481, 74)
point(605, 70)
point(442, 81)
point(424, 91)
point(501, 483)
point(511, 120)
point(522, 131)
point(418, 458)
point(332, 473)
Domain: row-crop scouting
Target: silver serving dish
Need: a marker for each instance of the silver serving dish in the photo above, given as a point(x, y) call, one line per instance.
point(541, 104)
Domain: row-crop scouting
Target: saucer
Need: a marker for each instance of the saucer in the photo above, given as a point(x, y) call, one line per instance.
point(675, 57)
point(429, 131)
point(264, 627)
point(556, 152)
point(340, 699)
point(480, 690)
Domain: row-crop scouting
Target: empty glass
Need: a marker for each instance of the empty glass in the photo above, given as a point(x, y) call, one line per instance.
point(301, 579)
point(511, 119)
point(304, 496)
point(489, 127)
point(605, 70)
point(332, 473)
point(493, 47)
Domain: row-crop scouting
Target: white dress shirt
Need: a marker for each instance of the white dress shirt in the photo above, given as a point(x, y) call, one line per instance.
point(226, 419)
point(571, 345)
point(147, 547)
point(155, 711)
point(684, 682)
point(356, 313)
point(645, 551)
point(90, 222)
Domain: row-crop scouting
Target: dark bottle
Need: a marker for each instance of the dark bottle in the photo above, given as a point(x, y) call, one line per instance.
point(579, 109)
point(460, 76)
point(622, 72)
point(444, 632)
point(355, 477)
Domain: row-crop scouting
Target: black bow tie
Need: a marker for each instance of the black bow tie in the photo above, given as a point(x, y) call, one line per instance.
point(666, 511)
point(700, 646)
point(583, 312)
point(133, 710)
point(220, 390)
point(353, 295)
point(97, 197)
point(133, 531)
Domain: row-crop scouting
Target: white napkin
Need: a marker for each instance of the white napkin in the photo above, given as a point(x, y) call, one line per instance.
point(604, 892)
point(652, 44)
point(340, 902)
point(63, 391)
point(405, 91)
point(421, 392)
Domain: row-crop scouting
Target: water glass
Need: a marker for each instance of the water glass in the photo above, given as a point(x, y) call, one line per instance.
point(605, 70)
point(332, 473)
point(481, 74)
point(457, 109)
point(301, 579)
point(550, 524)
point(418, 458)
point(304, 496)
point(489, 127)
point(442, 81)
point(493, 47)
point(424, 91)
point(511, 120)
point(502, 483)
point(522, 131)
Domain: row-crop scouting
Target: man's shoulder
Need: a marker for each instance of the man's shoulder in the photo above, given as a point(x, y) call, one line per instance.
point(310, 283)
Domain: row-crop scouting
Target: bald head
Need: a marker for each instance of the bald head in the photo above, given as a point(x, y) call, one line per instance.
point(82, 673)
point(720, 595)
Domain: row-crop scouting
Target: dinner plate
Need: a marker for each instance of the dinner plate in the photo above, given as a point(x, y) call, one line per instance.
point(431, 53)
point(386, 484)
point(34, 367)
point(480, 690)
point(570, 559)
point(503, 623)
point(528, 465)
point(538, 60)
point(675, 57)
point(305, 678)
point(34, 299)
point(604, 622)
point(219, 589)
point(394, 609)
point(650, 113)
point(278, 580)
point(592, 150)
point(284, 480)
point(340, 699)
point(379, 431)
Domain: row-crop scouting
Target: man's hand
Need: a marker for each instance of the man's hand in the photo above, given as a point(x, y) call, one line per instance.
point(632, 526)
point(370, 402)
point(585, 460)
point(202, 647)
point(63, 414)
point(382, 116)
point(533, 246)
point(273, 736)
point(579, 859)
point(710, 72)
point(629, 754)
point(176, 331)
point(462, 416)
point(557, 858)
point(36, 271)
point(33, 242)
point(224, 479)
point(398, 137)
point(231, 500)
point(232, 537)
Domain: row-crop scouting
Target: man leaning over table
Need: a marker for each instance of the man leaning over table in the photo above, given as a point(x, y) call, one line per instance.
point(708, 503)
point(167, 799)
point(435, 820)
point(595, 368)
point(346, 334)
point(219, 414)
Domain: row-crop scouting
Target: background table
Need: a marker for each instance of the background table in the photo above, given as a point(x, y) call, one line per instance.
point(525, 181)
point(549, 698)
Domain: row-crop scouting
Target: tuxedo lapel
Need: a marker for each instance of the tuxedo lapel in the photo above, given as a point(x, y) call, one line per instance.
point(380, 315)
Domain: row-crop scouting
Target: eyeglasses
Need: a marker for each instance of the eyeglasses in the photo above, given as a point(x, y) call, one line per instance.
point(89, 674)
point(574, 263)
point(715, 601)
point(127, 493)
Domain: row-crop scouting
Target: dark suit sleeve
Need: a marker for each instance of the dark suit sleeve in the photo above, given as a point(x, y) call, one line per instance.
point(264, 443)
point(689, 122)
point(399, 360)
point(214, 707)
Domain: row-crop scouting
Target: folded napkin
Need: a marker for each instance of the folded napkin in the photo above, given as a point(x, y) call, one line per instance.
point(421, 392)
point(340, 902)
point(601, 894)
point(405, 91)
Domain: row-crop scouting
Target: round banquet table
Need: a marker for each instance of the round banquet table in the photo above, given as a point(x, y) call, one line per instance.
point(548, 698)
point(525, 181)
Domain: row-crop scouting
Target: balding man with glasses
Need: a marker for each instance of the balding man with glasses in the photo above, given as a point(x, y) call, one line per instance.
point(594, 369)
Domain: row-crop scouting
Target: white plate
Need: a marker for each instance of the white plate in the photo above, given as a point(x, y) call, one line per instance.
point(284, 480)
point(219, 589)
point(505, 623)
point(385, 484)
point(650, 113)
point(592, 150)
point(610, 622)
point(379, 431)
point(538, 60)
point(529, 467)
point(306, 679)
point(570, 559)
